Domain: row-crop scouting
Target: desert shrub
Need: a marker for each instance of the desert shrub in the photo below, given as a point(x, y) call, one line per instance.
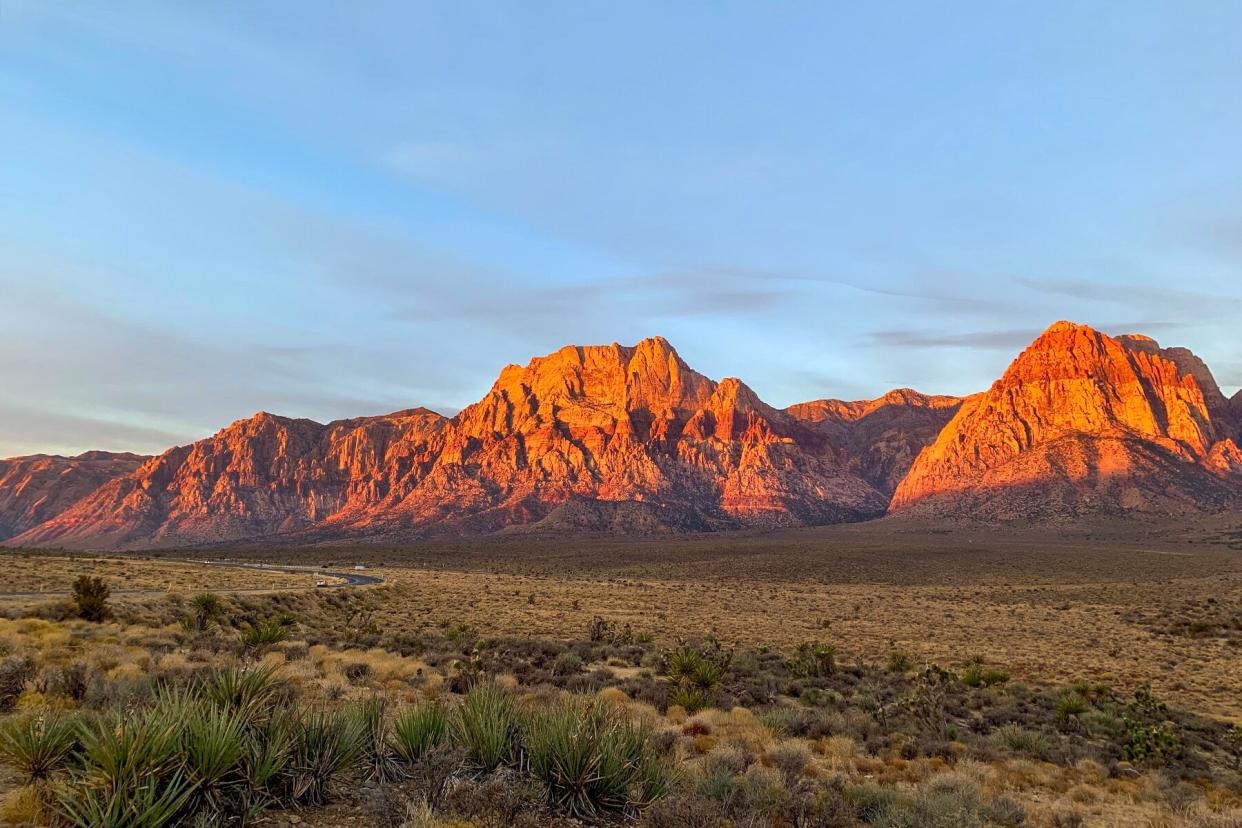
point(264, 633)
point(379, 759)
point(1021, 740)
point(419, 730)
point(899, 662)
point(1005, 811)
point(37, 745)
point(501, 800)
point(72, 681)
point(248, 691)
point(129, 774)
point(90, 597)
point(592, 759)
point(567, 664)
point(976, 675)
point(326, 744)
point(356, 672)
point(1146, 732)
point(948, 801)
point(15, 671)
point(790, 758)
point(693, 675)
point(813, 660)
point(486, 725)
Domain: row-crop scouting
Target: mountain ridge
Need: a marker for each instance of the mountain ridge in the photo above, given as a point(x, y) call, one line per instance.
point(631, 438)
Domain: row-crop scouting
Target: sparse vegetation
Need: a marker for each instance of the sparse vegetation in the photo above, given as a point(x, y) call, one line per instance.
point(90, 597)
point(368, 711)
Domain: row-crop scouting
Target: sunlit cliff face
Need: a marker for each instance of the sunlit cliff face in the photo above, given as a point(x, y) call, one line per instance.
point(631, 438)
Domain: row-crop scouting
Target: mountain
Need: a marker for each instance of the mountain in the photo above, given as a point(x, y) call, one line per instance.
point(1082, 423)
point(261, 476)
point(631, 439)
point(600, 437)
point(883, 435)
point(37, 488)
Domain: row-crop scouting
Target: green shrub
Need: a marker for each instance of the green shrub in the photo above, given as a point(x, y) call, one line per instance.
point(1146, 733)
point(214, 744)
point(381, 762)
point(419, 730)
point(567, 664)
point(486, 725)
point(325, 745)
point(265, 633)
point(813, 661)
point(976, 675)
point(37, 745)
point(248, 691)
point(1019, 739)
point(1069, 707)
point(208, 609)
point(90, 597)
point(693, 676)
point(130, 774)
point(592, 759)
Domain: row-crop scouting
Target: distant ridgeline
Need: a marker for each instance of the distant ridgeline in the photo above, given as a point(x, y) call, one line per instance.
point(631, 439)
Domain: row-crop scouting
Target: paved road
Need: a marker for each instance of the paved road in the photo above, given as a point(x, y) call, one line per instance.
point(347, 579)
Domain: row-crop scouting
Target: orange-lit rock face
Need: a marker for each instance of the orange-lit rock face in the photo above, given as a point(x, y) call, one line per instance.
point(38, 488)
point(1080, 422)
point(631, 438)
point(608, 423)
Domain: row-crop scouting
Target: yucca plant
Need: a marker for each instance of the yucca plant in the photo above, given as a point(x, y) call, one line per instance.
point(693, 676)
point(265, 633)
point(264, 763)
point(214, 742)
point(129, 772)
point(325, 745)
point(486, 725)
point(419, 730)
point(248, 691)
point(592, 759)
point(146, 803)
point(381, 762)
point(37, 745)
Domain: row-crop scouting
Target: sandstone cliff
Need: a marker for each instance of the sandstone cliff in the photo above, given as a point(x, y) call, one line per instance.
point(1081, 423)
point(40, 487)
point(582, 427)
point(884, 435)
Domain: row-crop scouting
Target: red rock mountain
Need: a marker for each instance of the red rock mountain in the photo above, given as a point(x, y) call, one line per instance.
point(591, 437)
point(613, 438)
point(884, 435)
point(1082, 423)
point(38, 488)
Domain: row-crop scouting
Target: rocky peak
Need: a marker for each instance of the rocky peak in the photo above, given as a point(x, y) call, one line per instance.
point(1075, 404)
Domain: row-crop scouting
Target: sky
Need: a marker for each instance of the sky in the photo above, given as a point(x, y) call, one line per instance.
point(326, 210)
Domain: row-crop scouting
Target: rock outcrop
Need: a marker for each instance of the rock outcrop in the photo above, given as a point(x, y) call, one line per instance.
point(261, 476)
point(1081, 423)
point(40, 487)
point(555, 441)
point(884, 435)
point(631, 439)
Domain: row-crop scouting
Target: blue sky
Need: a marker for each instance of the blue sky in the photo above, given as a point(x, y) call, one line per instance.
point(326, 209)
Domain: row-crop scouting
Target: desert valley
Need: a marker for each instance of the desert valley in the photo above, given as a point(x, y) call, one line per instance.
point(842, 530)
point(1021, 607)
